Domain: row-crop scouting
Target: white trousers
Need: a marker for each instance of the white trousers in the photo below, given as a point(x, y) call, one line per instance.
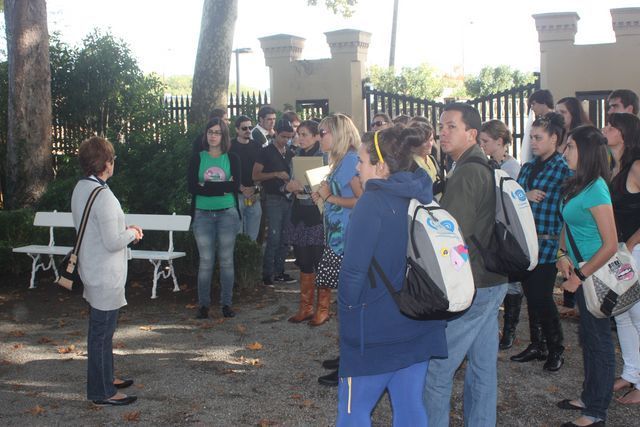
point(628, 325)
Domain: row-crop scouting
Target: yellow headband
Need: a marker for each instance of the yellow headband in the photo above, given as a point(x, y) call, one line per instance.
point(375, 141)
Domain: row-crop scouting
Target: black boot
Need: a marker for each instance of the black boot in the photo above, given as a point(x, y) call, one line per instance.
point(512, 304)
point(330, 379)
point(553, 331)
point(537, 350)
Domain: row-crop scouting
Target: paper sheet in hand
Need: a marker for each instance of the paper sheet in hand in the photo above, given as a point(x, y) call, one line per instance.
point(315, 178)
point(301, 165)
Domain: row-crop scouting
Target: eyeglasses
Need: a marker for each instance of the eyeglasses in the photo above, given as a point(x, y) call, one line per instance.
point(114, 159)
point(214, 132)
point(378, 123)
point(323, 132)
point(245, 128)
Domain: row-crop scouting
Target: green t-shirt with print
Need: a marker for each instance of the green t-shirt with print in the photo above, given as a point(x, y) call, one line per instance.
point(214, 169)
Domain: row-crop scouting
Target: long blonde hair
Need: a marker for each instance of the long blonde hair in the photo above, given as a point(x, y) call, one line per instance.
point(345, 137)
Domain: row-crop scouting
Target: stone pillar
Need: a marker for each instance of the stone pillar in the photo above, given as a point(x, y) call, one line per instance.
point(626, 24)
point(279, 51)
point(556, 32)
point(349, 56)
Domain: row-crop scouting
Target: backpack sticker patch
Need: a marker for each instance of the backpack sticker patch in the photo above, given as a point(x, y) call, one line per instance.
point(459, 256)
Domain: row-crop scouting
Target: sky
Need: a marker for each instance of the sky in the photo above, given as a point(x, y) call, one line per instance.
point(450, 35)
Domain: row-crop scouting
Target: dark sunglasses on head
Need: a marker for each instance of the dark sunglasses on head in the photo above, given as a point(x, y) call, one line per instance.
point(378, 123)
point(323, 132)
point(246, 128)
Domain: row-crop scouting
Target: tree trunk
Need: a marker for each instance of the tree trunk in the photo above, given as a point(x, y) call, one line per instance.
point(29, 156)
point(211, 73)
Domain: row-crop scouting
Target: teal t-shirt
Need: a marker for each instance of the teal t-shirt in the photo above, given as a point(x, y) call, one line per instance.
point(214, 169)
point(578, 217)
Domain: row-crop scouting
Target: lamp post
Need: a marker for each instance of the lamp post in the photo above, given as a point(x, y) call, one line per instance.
point(238, 51)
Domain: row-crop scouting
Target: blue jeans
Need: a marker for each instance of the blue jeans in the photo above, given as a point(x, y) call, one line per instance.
point(102, 325)
point(357, 400)
point(598, 359)
point(278, 210)
point(473, 335)
point(250, 224)
point(215, 229)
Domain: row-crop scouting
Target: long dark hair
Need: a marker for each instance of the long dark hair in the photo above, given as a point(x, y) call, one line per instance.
point(593, 162)
point(578, 115)
point(629, 126)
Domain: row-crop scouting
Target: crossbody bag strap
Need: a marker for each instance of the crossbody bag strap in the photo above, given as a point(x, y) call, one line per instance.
point(385, 279)
point(85, 218)
point(572, 242)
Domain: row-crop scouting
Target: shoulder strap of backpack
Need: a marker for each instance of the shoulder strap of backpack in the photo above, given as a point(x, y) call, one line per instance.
point(372, 281)
point(85, 218)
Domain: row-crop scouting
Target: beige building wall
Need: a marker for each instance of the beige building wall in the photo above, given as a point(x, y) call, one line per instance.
point(337, 79)
point(567, 68)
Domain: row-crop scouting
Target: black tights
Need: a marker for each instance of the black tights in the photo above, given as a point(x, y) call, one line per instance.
point(308, 257)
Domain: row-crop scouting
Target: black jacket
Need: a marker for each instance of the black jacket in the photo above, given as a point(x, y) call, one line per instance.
point(213, 188)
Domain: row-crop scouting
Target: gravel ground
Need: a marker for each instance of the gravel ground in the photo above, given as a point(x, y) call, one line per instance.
point(255, 369)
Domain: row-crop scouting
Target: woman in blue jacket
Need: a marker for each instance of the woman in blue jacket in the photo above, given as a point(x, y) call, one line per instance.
point(380, 348)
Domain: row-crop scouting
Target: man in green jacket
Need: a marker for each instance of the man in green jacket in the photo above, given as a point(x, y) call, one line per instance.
point(470, 197)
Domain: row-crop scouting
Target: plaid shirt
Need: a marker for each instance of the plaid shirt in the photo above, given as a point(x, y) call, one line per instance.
point(547, 212)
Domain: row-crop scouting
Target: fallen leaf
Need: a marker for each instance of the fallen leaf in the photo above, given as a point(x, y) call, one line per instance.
point(61, 323)
point(191, 306)
point(16, 333)
point(241, 329)
point(184, 287)
point(552, 389)
point(307, 403)
point(255, 346)
point(36, 410)
point(296, 396)
point(95, 407)
point(206, 325)
point(131, 416)
point(146, 328)
point(45, 340)
point(18, 346)
point(267, 423)
point(75, 333)
point(119, 344)
point(4, 362)
point(65, 350)
point(137, 285)
point(139, 386)
point(220, 321)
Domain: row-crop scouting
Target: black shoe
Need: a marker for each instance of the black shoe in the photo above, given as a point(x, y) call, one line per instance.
point(330, 380)
point(227, 312)
point(331, 363)
point(284, 278)
point(124, 384)
point(203, 313)
point(566, 404)
point(127, 400)
point(534, 351)
point(554, 361)
point(267, 282)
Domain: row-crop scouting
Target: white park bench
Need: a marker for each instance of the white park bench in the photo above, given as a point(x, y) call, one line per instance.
point(55, 219)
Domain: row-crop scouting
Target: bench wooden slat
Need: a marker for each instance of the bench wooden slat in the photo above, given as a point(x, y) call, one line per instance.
point(43, 249)
point(53, 219)
point(163, 255)
point(160, 222)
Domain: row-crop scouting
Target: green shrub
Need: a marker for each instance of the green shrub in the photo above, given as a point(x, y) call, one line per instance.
point(247, 261)
point(16, 229)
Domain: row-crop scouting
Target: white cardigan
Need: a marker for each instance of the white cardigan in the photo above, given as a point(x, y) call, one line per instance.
point(103, 254)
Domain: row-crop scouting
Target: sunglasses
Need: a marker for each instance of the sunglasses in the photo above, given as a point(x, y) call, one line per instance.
point(245, 128)
point(323, 132)
point(378, 123)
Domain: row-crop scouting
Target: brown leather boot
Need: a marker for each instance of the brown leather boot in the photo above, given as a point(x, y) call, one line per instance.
point(322, 310)
point(307, 289)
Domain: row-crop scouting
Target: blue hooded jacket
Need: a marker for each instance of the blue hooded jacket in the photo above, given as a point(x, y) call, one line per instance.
point(374, 336)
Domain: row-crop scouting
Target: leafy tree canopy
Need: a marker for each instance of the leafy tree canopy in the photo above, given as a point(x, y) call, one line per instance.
point(423, 81)
point(492, 80)
point(338, 7)
point(100, 87)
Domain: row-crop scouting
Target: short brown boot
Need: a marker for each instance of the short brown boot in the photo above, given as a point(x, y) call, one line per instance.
point(322, 310)
point(307, 289)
